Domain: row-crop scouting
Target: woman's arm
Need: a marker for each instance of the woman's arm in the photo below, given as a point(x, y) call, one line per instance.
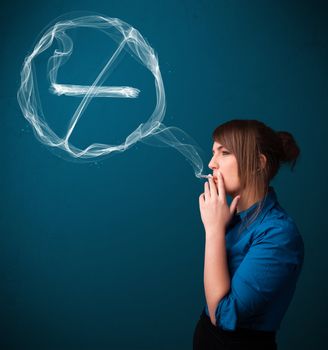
point(216, 272)
point(215, 214)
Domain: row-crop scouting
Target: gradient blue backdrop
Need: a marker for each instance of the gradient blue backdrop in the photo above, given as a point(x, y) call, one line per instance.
point(109, 255)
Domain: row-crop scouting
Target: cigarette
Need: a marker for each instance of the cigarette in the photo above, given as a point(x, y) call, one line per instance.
point(206, 176)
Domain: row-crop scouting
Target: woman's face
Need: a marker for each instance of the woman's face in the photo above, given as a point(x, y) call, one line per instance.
point(226, 163)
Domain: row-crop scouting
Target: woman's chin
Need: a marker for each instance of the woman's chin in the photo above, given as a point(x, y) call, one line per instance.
point(232, 194)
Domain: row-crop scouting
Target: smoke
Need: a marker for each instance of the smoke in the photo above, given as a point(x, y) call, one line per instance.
point(153, 132)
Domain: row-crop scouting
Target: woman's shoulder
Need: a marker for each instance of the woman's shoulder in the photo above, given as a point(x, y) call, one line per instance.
point(281, 230)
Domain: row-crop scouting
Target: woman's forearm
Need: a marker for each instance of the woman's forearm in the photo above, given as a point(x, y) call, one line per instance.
point(216, 272)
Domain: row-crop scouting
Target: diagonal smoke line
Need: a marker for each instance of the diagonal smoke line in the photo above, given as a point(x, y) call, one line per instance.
point(87, 97)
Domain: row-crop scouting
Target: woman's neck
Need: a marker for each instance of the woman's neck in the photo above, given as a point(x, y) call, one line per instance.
point(246, 202)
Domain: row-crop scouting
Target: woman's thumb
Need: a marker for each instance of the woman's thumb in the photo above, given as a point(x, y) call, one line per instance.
point(234, 204)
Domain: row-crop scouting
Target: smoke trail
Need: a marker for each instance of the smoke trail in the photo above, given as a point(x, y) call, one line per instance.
point(153, 132)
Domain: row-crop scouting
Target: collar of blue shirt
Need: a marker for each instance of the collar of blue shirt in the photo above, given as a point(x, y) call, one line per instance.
point(267, 203)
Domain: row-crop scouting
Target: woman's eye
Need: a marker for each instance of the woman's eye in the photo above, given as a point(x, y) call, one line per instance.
point(223, 152)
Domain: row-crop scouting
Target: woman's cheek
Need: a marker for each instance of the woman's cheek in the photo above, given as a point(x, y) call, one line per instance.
point(231, 185)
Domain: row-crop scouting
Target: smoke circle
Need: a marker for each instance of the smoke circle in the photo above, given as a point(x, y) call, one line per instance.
point(129, 39)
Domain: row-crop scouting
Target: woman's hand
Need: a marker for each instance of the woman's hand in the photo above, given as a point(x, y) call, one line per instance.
point(214, 209)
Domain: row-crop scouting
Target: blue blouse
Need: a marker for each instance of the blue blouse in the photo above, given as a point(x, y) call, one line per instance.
point(264, 262)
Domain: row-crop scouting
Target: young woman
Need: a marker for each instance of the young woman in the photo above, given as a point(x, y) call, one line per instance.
point(253, 251)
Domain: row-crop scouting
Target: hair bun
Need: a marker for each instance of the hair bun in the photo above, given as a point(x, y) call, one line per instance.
point(290, 151)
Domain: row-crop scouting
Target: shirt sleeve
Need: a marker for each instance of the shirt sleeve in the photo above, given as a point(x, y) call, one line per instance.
point(274, 256)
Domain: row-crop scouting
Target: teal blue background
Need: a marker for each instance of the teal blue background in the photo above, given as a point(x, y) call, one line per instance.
point(109, 255)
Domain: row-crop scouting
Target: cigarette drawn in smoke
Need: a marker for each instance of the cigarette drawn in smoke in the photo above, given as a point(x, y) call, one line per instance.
point(153, 132)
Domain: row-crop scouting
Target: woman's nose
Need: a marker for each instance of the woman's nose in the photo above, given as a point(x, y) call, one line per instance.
point(211, 164)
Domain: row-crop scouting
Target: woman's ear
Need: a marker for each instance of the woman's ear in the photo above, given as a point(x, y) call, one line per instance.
point(263, 161)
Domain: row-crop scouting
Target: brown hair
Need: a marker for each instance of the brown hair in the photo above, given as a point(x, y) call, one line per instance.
point(247, 139)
